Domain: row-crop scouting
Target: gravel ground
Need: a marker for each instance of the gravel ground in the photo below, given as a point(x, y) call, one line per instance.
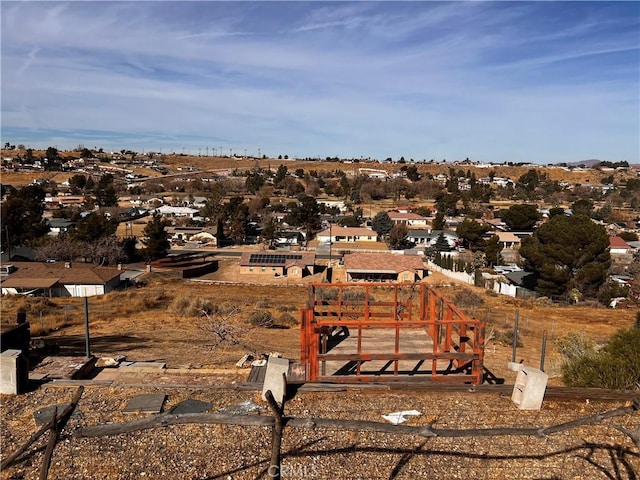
point(216, 451)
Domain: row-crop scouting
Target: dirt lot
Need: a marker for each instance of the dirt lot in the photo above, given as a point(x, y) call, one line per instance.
point(160, 322)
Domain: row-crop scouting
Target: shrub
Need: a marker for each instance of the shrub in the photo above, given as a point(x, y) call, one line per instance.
point(260, 318)
point(616, 366)
point(180, 305)
point(264, 303)
point(327, 293)
point(611, 290)
point(286, 308)
point(575, 345)
point(467, 298)
point(506, 337)
point(286, 319)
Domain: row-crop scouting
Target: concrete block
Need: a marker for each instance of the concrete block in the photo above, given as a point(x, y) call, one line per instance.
point(14, 372)
point(515, 367)
point(273, 379)
point(528, 391)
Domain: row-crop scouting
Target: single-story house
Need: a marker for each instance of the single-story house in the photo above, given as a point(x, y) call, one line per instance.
point(409, 219)
point(377, 267)
point(347, 234)
point(618, 246)
point(60, 279)
point(169, 211)
point(193, 234)
point(59, 225)
point(507, 239)
point(289, 264)
point(289, 238)
point(429, 238)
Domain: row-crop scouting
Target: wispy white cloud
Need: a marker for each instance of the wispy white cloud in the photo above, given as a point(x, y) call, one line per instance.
point(423, 80)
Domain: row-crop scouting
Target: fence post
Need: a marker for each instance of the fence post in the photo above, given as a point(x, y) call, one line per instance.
point(544, 350)
point(515, 337)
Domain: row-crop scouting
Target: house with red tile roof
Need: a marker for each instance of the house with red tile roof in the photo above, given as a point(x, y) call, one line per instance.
point(377, 267)
point(618, 246)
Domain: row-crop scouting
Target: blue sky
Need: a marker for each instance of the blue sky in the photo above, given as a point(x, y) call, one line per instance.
point(513, 81)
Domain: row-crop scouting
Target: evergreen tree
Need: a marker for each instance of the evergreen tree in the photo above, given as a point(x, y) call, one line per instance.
point(520, 217)
point(157, 237)
point(566, 253)
point(22, 216)
point(438, 221)
point(442, 245)
point(471, 233)
point(381, 223)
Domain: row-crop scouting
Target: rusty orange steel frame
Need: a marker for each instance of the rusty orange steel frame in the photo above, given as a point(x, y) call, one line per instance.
point(457, 341)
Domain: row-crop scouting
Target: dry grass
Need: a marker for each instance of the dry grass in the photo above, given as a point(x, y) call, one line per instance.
point(162, 321)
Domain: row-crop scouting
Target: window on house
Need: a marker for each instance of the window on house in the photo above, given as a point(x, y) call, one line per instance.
point(264, 269)
point(251, 269)
point(406, 277)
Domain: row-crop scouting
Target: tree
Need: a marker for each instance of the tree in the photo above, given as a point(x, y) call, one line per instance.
point(86, 153)
point(381, 223)
point(439, 221)
point(269, 233)
point(442, 244)
point(281, 173)
point(492, 248)
point(566, 253)
point(306, 214)
point(22, 216)
point(77, 183)
point(582, 207)
point(52, 161)
point(397, 236)
point(471, 233)
point(556, 211)
point(157, 240)
point(94, 227)
point(520, 217)
point(105, 192)
point(529, 181)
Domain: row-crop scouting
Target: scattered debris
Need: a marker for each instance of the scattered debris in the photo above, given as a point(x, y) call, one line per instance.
point(146, 403)
point(107, 362)
point(46, 414)
point(397, 418)
point(158, 365)
point(241, 408)
point(191, 405)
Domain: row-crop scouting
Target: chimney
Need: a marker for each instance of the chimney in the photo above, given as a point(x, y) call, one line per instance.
point(119, 267)
point(148, 268)
point(67, 264)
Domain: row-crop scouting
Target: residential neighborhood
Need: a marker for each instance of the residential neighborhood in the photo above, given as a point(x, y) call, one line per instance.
point(317, 214)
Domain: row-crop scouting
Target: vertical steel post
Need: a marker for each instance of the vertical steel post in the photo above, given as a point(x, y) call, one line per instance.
point(86, 326)
point(544, 350)
point(515, 336)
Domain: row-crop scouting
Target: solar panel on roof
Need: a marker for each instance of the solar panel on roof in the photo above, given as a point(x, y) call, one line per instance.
point(273, 258)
